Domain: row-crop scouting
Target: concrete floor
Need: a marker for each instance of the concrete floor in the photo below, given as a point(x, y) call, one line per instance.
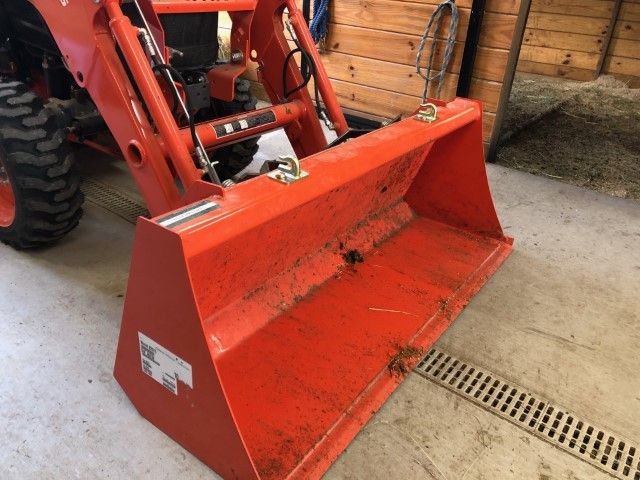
point(560, 318)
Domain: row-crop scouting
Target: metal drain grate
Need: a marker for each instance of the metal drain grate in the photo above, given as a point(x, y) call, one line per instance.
point(113, 200)
point(602, 449)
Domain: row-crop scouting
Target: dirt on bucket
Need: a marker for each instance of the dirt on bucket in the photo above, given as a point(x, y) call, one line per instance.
point(401, 362)
point(353, 256)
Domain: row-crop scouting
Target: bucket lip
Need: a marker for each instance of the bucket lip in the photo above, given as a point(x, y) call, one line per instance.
point(333, 167)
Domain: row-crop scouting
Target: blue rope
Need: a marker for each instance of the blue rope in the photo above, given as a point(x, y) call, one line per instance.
point(319, 26)
point(436, 19)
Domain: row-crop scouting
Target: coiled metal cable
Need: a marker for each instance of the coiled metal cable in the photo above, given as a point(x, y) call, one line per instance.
point(436, 20)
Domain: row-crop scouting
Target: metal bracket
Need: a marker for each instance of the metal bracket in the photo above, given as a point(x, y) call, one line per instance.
point(288, 170)
point(427, 112)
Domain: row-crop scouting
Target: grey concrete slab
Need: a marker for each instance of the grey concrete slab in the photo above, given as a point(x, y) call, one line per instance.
point(62, 415)
point(427, 432)
point(560, 318)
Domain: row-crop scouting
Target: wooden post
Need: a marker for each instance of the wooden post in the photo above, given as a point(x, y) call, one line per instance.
point(509, 74)
point(607, 40)
point(470, 48)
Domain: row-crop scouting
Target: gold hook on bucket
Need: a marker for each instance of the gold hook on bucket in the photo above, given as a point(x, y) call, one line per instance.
point(427, 112)
point(288, 170)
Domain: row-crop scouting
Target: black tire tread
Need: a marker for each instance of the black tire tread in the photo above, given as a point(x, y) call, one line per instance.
point(40, 164)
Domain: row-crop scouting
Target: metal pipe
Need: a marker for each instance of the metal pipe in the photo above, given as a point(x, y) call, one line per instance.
point(324, 84)
point(200, 151)
point(232, 129)
point(154, 52)
point(127, 37)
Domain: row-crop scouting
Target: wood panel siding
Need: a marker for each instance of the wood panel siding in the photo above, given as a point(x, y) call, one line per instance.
point(371, 49)
point(623, 55)
point(566, 38)
point(372, 46)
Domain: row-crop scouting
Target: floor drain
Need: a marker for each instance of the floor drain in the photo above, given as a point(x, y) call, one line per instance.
point(113, 200)
point(602, 449)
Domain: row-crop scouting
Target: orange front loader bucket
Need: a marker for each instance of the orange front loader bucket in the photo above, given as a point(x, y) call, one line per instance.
point(262, 330)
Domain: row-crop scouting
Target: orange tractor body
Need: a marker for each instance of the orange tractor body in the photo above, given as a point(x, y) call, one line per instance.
point(267, 320)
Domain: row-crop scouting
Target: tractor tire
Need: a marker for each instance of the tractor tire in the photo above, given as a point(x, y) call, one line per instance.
point(40, 197)
point(235, 158)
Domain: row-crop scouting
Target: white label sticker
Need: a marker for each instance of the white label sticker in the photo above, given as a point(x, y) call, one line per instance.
point(162, 365)
point(228, 128)
point(243, 124)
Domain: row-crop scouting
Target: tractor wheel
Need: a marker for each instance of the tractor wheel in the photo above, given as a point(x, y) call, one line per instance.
point(238, 156)
point(40, 198)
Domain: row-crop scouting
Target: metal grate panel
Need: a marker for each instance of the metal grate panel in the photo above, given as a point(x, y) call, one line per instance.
point(563, 429)
point(113, 200)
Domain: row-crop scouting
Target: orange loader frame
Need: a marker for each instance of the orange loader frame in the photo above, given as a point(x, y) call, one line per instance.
point(266, 322)
point(155, 147)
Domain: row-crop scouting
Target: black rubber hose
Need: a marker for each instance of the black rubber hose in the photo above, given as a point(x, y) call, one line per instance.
point(307, 76)
point(189, 104)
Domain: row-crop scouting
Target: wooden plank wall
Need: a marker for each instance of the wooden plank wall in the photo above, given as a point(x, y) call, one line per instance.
point(565, 38)
point(623, 56)
point(372, 44)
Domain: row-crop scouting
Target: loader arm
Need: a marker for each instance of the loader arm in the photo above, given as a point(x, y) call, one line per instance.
point(106, 55)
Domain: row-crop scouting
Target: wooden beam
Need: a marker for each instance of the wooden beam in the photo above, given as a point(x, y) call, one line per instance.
point(509, 75)
point(560, 71)
point(555, 56)
point(576, 42)
point(471, 47)
point(607, 40)
point(401, 48)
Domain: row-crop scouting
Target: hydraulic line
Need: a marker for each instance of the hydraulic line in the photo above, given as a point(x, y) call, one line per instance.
point(308, 70)
point(160, 65)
